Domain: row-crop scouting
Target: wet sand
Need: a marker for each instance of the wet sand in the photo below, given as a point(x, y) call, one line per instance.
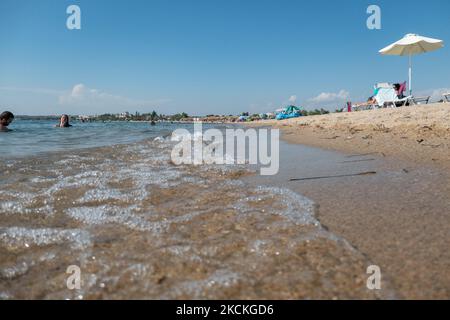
point(399, 218)
point(419, 134)
point(141, 228)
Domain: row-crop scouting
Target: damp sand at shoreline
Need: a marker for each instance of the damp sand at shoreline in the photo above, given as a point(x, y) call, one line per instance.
point(141, 228)
point(419, 134)
point(399, 217)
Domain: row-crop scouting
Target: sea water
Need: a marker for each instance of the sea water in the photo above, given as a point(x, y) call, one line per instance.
point(32, 137)
point(107, 198)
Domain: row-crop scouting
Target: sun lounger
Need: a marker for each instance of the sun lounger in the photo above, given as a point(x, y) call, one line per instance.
point(384, 85)
point(362, 106)
point(385, 97)
point(388, 98)
point(419, 100)
point(398, 102)
point(446, 97)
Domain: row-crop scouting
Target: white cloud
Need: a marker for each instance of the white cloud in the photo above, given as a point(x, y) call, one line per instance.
point(293, 99)
point(325, 97)
point(80, 99)
point(93, 101)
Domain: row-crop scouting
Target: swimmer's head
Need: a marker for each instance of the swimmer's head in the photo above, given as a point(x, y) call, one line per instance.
point(6, 118)
point(64, 122)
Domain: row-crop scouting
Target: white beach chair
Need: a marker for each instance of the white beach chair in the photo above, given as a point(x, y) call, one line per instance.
point(446, 97)
point(383, 94)
point(387, 98)
point(419, 100)
point(363, 106)
point(384, 85)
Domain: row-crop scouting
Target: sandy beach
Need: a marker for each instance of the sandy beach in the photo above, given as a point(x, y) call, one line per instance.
point(399, 217)
point(418, 134)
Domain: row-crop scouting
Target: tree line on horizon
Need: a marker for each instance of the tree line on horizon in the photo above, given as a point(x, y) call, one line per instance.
point(154, 116)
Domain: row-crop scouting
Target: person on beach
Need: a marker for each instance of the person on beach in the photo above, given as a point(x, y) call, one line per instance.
point(64, 122)
point(371, 101)
point(399, 89)
point(5, 120)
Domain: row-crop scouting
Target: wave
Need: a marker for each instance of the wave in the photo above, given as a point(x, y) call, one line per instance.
point(140, 227)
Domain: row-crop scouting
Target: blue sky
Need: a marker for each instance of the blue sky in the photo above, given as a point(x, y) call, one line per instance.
point(203, 57)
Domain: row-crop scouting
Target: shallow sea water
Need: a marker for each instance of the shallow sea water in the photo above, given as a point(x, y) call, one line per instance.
point(140, 227)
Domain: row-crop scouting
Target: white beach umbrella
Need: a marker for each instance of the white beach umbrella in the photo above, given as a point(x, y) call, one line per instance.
point(410, 45)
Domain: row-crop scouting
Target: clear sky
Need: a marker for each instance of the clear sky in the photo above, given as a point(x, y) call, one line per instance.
point(209, 56)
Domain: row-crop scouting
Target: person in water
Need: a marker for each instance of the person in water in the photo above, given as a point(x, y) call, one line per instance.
point(64, 122)
point(5, 120)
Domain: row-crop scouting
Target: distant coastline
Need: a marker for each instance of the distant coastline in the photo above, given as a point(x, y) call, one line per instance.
point(174, 118)
point(168, 119)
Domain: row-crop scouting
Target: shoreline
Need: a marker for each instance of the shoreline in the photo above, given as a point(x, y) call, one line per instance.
point(397, 217)
point(419, 134)
point(112, 206)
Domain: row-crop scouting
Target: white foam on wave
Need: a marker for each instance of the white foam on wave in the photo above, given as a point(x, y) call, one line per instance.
point(89, 178)
point(189, 142)
point(105, 214)
point(296, 208)
point(39, 179)
point(11, 207)
point(195, 136)
point(19, 202)
point(221, 278)
point(127, 217)
point(14, 271)
point(102, 195)
point(23, 238)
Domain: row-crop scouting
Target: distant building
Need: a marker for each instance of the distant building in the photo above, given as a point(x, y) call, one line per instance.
point(83, 118)
point(124, 115)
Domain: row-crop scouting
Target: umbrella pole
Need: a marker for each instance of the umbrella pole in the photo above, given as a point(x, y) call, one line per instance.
point(410, 74)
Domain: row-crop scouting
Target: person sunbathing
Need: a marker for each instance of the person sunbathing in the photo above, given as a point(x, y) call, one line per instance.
point(371, 101)
point(64, 122)
point(5, 120)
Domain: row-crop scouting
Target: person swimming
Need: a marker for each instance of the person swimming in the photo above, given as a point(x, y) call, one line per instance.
point(64, 122)
point(5, 120)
